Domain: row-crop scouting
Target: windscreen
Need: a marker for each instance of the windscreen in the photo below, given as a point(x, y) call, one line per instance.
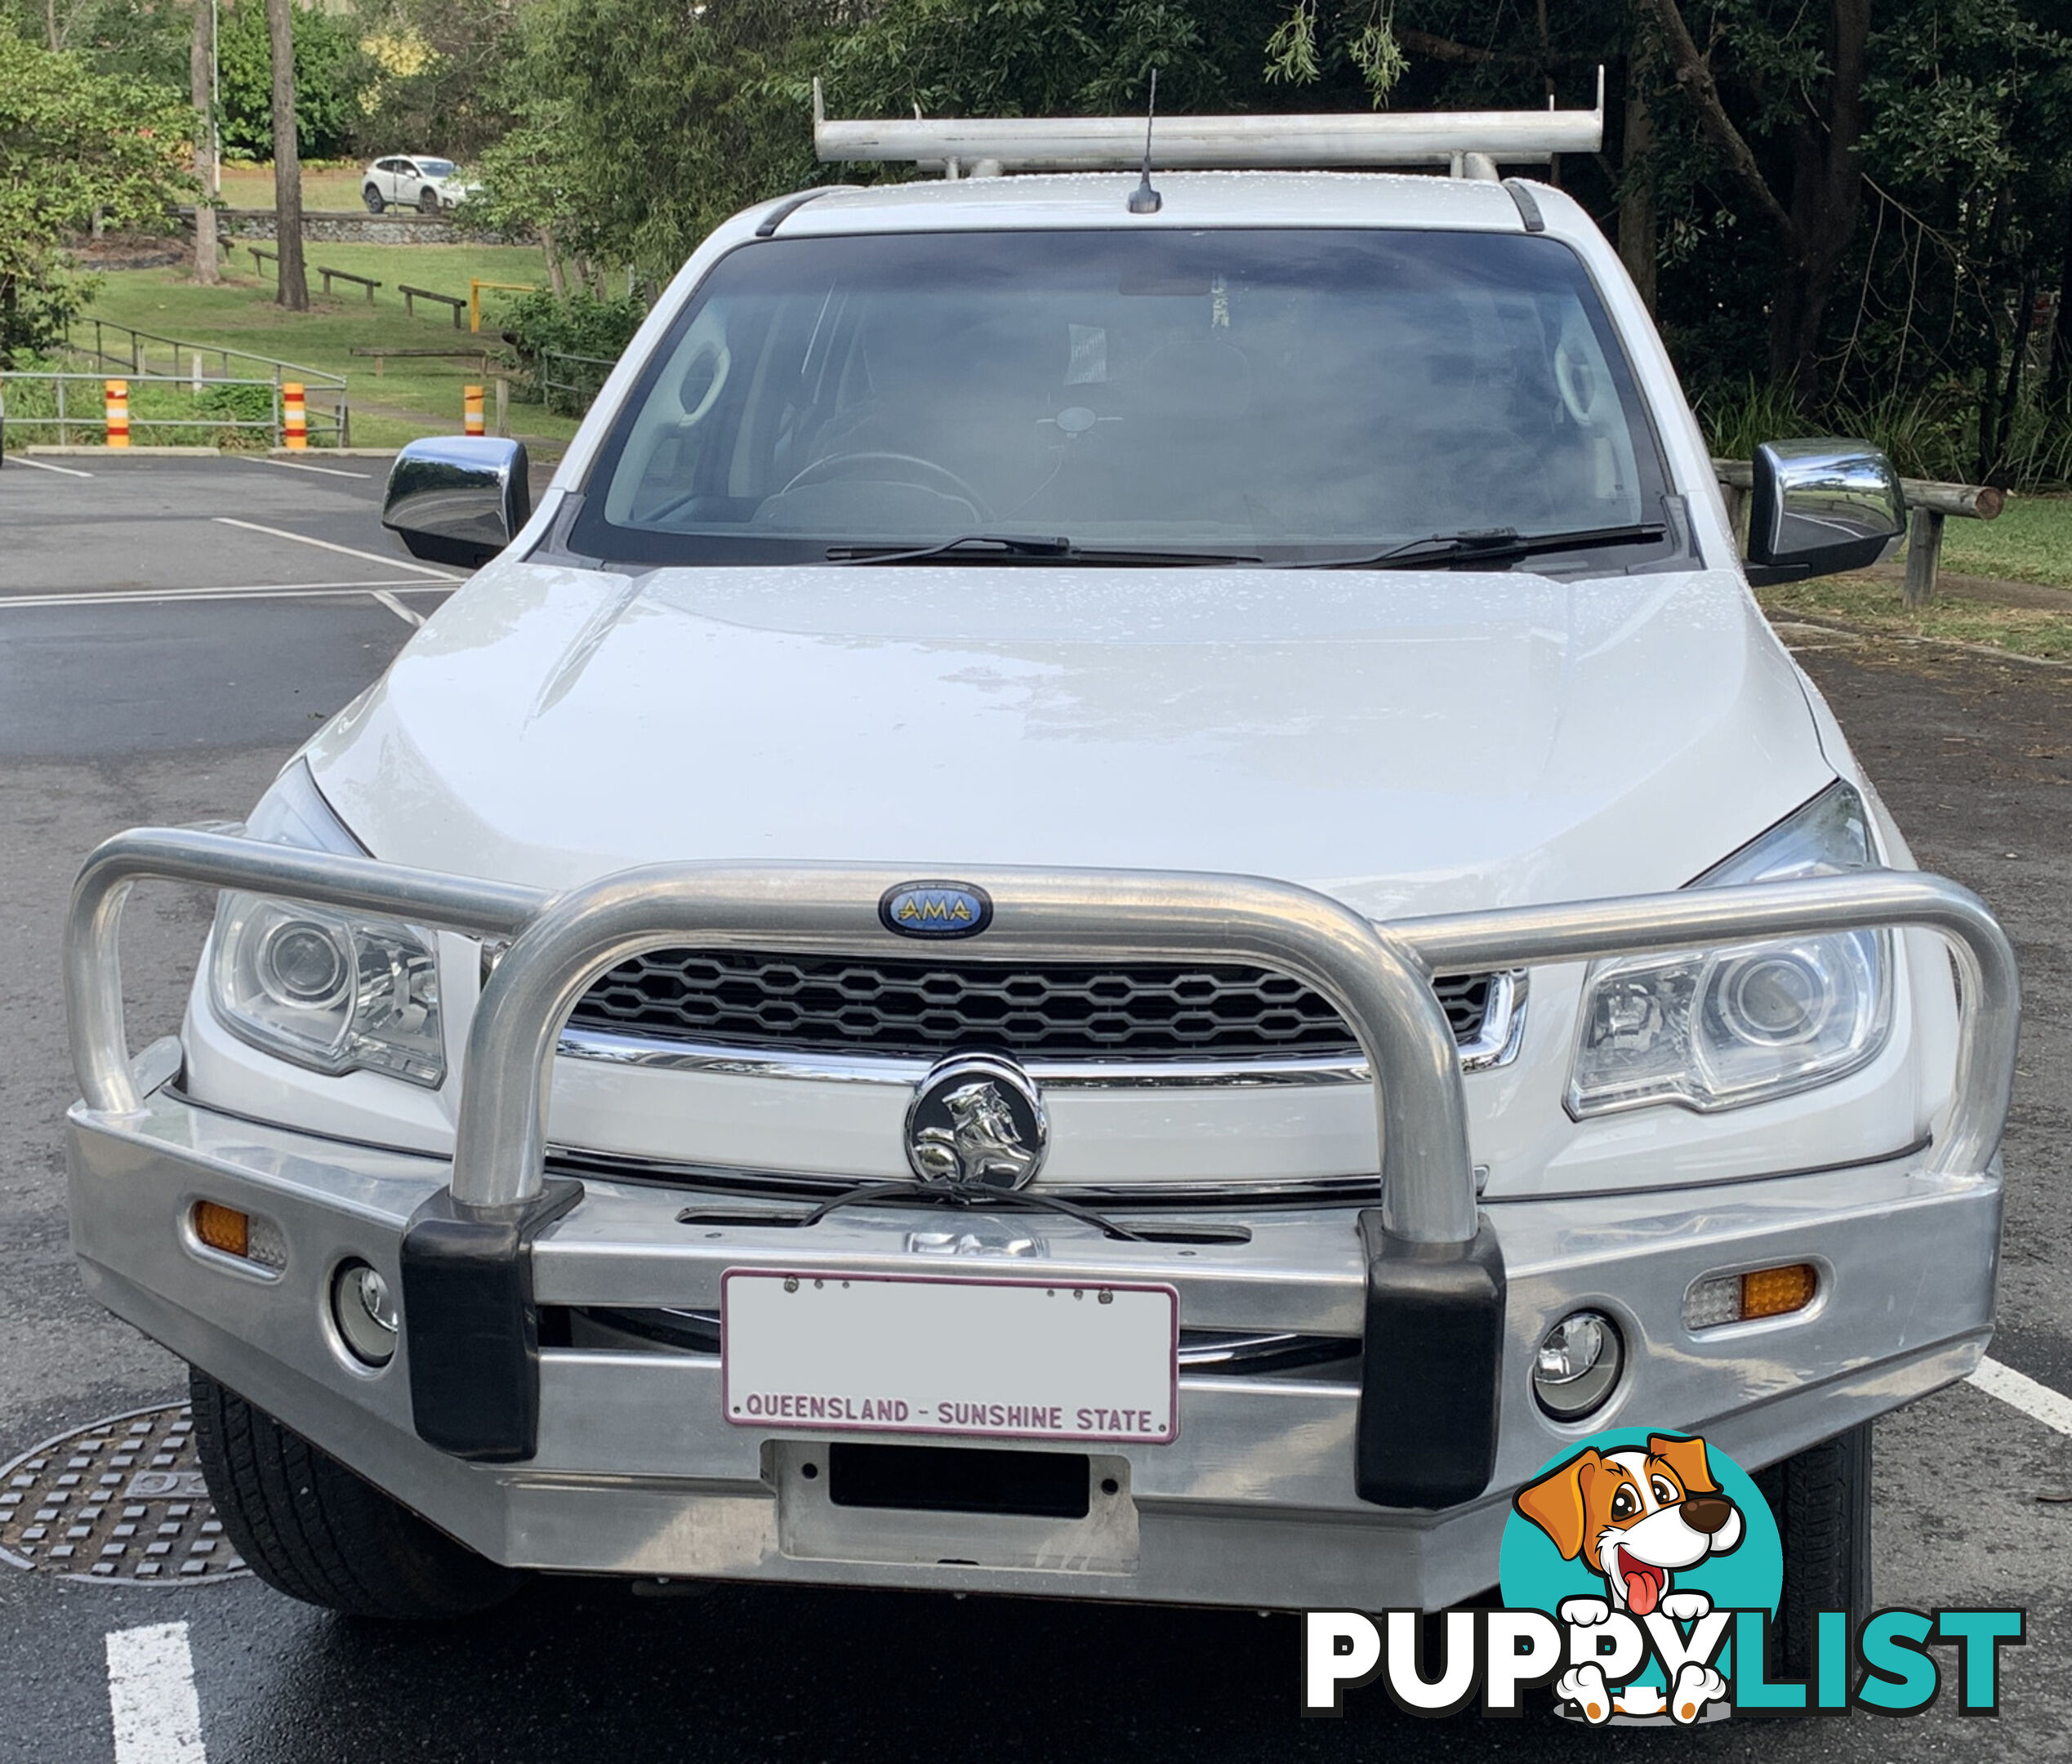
point(1275, 393)
point(436, 168)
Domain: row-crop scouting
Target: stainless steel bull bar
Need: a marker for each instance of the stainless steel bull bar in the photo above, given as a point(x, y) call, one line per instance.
point(1427, 1432)
point(1375, 975)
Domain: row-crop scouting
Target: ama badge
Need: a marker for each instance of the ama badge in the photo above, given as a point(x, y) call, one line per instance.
point(935, 910)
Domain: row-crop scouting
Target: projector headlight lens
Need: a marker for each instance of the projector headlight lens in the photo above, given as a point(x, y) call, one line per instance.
point(1715, 1029)
point(335, 994)
point(332, 992)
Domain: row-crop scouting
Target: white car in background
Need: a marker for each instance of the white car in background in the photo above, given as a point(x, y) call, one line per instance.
point(421, 181)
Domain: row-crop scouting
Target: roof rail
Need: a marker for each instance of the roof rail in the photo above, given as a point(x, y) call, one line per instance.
point(1470, 142)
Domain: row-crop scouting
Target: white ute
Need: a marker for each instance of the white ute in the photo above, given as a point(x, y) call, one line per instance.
point(1118, 897)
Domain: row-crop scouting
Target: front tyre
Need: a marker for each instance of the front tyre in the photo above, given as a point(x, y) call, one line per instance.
point(310, 1528)
point(1821, 1500)
point(428, 200)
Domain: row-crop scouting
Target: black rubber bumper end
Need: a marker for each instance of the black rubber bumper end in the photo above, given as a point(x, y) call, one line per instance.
point(471, 1329)
point(1432, 1365)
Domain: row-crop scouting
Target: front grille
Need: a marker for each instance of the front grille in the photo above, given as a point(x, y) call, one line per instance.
point(918, 1008)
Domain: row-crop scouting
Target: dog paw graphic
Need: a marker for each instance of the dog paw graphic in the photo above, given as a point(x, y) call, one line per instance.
point(1584, 1686)
point(1584, 1613)
point(1696, 1686)
point(1639, 1699)
point(1686, 1607)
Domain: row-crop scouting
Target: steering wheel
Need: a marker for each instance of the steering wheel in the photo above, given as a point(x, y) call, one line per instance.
point(925, 474)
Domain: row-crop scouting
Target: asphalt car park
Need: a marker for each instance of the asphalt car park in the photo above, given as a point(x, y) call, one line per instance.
point(169, 632)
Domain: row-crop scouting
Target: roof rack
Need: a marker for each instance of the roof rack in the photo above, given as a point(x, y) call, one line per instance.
point(1469, 143)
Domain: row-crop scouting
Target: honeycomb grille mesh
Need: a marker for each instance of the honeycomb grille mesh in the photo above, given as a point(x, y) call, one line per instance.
point(891, 1009)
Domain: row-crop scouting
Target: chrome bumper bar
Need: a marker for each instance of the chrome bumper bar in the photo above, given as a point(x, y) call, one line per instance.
point(1434, 1270)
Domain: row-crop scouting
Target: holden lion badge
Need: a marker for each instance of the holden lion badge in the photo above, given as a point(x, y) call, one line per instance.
point(976, 1119)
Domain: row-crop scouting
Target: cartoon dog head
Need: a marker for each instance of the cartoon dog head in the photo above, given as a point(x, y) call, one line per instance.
point(1635, 1517)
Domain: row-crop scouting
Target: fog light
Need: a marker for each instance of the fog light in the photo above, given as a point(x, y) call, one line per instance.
point(1721, 1298)
point(1578, 1365)
point(365, 1312)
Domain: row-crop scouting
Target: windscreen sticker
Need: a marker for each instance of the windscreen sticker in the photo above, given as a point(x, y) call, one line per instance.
point(1089, 365)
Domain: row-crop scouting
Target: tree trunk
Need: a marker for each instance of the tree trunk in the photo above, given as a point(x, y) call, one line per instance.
point(1546, 80)
point(288, 161)
point(1826, 192)
point(201, 70)
point(1639, 231)
point(2059, 387)
point(555, 279)
point(1999, 471)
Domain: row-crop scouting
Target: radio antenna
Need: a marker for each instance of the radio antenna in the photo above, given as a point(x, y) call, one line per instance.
point(1143, 199)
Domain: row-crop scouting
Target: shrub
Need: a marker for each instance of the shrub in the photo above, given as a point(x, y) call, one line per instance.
point(540, 325)
point(331, 72)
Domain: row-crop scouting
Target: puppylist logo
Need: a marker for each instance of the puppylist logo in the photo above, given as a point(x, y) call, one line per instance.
point(1641, 1576)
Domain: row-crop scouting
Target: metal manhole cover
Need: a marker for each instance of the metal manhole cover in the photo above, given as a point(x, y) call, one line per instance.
point(120, 1499)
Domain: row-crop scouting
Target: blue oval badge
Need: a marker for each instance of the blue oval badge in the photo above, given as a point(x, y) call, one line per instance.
point(936, 910)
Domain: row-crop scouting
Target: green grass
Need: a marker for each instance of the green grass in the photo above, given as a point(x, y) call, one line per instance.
point(1874, 606)
point(251, 186)
point(422, 396)
point(2030, 542)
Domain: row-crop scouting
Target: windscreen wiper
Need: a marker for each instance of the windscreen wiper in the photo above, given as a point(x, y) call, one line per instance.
point(1488, 545)
point(993, 548)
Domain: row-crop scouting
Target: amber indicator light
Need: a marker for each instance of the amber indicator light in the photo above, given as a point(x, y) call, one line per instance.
point(1774, 1291)
point(223, 1228)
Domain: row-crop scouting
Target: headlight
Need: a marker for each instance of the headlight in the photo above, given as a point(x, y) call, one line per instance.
point(1715, 1029)
point(335, 993)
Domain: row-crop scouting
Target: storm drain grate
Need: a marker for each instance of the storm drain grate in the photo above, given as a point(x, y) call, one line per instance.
point(119, 1500)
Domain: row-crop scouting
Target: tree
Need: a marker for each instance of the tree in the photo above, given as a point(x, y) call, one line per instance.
point(332, 75)
point(200, 74)
point(1860, 208)
point(73, 142)
point(1815, 222)
point(441, 77)
point(293, 284)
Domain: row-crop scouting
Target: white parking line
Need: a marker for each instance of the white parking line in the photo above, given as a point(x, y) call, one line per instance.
point(2039, 1401)
point(289, 464)
point(398, 607)
point(260, 592)
point(158, 1717)
point(325, 544)
point(69, 471)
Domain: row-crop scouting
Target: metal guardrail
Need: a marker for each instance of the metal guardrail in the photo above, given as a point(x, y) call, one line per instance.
point(1930, 504)
point(476, 284)
point(1376, 975)
point(94, 420)
point(132, 350)
point(559, 372)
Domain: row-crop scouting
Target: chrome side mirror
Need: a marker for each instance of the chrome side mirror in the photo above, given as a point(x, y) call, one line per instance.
point(1820, 506)
point(458, 499)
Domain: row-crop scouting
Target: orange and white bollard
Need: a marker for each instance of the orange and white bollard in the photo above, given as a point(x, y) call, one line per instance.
point(295, 416)
point(118, 413)
point(471, 405)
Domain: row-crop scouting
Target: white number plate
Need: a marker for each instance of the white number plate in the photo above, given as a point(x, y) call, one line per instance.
point(919, 1354)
